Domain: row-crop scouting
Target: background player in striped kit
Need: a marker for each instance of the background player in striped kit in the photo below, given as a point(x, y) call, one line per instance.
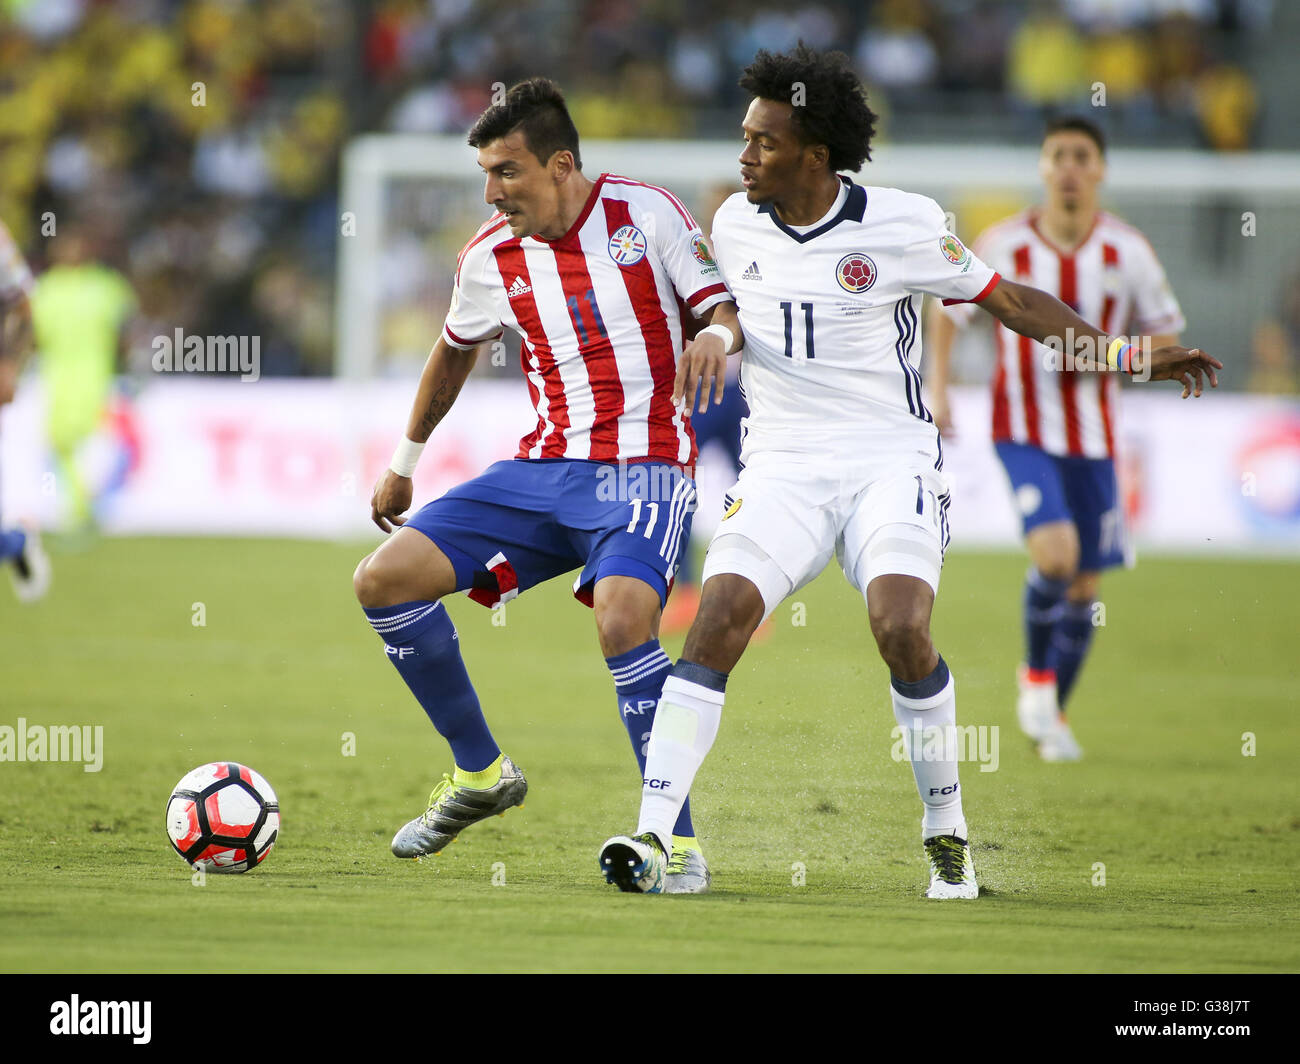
point(841, 456)
point(19, 547)
point(590, 274)
point(1054, 430)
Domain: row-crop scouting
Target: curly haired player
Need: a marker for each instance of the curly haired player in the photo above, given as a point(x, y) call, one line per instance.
point(841, 456)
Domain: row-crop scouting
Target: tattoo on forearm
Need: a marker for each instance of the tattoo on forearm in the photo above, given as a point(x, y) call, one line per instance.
point(439, 405)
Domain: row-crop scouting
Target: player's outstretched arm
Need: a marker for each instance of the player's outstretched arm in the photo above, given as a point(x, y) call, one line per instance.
point(703, 363)
point(443, 377)
point(1042, 317)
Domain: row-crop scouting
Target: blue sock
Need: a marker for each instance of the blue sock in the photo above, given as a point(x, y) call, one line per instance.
point(1070, 642)
point(639, 680)
point(423, 645)
point(12, 543)
point(1043, 602)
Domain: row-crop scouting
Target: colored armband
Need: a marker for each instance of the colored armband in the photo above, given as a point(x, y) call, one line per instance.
point(1119, 356)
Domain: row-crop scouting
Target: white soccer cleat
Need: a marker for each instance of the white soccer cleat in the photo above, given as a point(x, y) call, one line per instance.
point(1059, 743)
point(1036, 707)
point(634, 865)
point(688, 871)
point(31, 569)
point(952, 871)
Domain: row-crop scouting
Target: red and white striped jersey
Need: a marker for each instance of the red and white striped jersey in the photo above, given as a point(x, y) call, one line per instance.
point(599, 314)
point(1113, 280)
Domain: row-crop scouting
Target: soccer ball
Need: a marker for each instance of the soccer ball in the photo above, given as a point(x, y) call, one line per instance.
point(223, 817)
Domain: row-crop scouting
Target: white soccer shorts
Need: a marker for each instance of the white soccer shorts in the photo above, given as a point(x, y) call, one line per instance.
point(786, 518)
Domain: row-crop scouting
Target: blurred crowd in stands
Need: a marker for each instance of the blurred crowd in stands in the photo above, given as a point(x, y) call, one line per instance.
point(194, 144)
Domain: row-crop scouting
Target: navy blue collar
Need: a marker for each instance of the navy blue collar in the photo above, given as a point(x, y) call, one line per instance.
point(855, 206)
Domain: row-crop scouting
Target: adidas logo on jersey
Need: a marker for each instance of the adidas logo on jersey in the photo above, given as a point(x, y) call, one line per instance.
point(518, 288)
point(752, 274)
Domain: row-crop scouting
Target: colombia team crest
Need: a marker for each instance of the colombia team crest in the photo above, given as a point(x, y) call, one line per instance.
point(627, 246)
point(855, 272)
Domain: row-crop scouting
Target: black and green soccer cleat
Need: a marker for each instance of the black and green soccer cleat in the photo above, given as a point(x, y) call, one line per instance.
point(453, 807)
point(952, 871)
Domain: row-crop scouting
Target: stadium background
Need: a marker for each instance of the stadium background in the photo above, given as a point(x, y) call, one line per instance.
point(227, 218)
point(196, 148)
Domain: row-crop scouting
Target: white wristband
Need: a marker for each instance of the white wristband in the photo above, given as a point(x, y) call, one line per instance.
point(405, 457)
point(722, 333)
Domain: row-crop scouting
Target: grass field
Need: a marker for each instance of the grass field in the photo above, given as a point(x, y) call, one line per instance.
point(1201, 845)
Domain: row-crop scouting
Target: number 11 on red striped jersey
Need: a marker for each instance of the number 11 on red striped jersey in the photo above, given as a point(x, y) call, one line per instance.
point(572, 302)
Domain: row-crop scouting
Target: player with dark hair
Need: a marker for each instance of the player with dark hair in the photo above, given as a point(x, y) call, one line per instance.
point(19, 547)
point(1054, 430)
point(841, 456)
point(590, 274)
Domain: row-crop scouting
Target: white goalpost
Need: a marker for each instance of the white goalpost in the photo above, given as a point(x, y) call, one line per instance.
point(1224, 225)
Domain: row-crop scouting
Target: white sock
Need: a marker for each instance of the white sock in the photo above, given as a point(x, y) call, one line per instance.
point(928, 718)
point(686, 723)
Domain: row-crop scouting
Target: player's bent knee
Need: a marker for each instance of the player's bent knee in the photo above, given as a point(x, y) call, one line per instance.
point(622, 631)
point(1054, 550)
point(391, 576)
point(372, 583)
point(360, 585)
point(626, 611)
point(901, 634)
point(730, 605)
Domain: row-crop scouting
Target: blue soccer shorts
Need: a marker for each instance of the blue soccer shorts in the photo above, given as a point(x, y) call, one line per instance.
point(524, 521)
point(1048, 487)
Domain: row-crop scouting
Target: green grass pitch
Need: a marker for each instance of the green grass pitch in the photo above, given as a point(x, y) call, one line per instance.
point(1200, 843)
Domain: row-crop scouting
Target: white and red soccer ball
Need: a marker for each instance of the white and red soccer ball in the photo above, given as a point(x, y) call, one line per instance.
point(223, 817)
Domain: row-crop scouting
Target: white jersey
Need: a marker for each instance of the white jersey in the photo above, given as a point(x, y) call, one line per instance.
point(1112, 280)
point(599, 311)
point(830, 316)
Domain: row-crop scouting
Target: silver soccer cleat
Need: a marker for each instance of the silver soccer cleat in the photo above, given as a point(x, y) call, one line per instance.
point(688, 872)
point(634, 865)
point(453, 808)
point(952, 872)
point(1059, 744)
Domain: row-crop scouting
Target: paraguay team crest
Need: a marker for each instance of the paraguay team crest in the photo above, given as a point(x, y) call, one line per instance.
point(953, 249)
point(855, 272)
point(627, 246)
